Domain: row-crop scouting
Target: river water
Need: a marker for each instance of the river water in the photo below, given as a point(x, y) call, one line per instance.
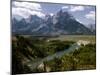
point(33, 65)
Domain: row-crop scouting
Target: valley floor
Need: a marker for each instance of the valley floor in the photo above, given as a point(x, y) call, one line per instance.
point(64, 53)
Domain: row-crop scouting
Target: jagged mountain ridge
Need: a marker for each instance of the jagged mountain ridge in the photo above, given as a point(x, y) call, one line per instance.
point(59, 23)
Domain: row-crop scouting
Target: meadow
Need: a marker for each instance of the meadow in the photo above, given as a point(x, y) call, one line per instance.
point(91, 38)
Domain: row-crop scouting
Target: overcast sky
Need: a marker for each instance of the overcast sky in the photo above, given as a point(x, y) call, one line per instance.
point(84, 14)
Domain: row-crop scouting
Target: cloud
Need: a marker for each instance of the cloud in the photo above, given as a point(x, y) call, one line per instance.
point(65, 7)
point(25, 9)
point(76, 8)
point(28, 5)
point(25, 13)
point(51, 14)
point(90, 15)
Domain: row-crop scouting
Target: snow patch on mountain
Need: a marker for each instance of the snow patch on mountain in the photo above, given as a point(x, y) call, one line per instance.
point(41, 26)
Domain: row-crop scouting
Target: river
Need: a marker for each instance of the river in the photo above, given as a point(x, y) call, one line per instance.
point(33, 64)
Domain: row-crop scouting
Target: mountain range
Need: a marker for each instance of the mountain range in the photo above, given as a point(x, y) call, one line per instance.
point(61, 23)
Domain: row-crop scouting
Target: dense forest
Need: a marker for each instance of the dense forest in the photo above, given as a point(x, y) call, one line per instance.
point(27, 49)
